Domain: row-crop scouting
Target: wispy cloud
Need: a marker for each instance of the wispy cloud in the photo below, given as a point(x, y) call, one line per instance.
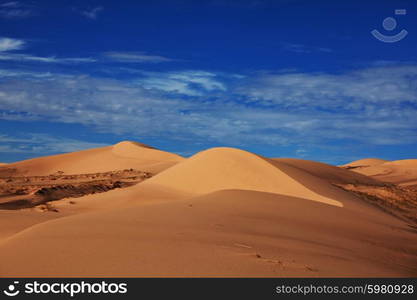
point(191, 83)
point(92, 13)
point(42, 143)
point(9, 44)
point(299, 48)
point(15, 10)
point(24, 74)
point(355, 90)
point(372, 106)
point(136, 57)
point(42, 59)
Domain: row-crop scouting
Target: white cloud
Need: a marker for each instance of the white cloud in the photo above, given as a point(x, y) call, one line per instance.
point(15, 10)
point(299, 48)
point(40, 143)
point(348, 91)
point(23, 74)
point(125, 107)
point(10, 4)
point(92, 13)
point(11, 44)
point(300, 109)
point(135, 57)
point(41, 59)
point(191, 83)
point(8, 44)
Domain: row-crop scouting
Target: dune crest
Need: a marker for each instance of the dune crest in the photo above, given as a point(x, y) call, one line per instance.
point(132, 143)
point(228, 168)
point(135, 150)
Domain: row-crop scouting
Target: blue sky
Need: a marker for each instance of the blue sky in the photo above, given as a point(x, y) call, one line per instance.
point(284, 78)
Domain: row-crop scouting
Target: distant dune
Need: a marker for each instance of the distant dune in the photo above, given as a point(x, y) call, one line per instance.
point(403, 172)
point(123, 155)
point(2, 164)
point(327, 172)
point(221, 212)
point(408, 163)
point(366, 162)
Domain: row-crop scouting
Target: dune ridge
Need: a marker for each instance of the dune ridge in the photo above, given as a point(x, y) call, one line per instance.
point(401, 172)
point(327, 172)
point(409, 163)
point(365, 162)
point(228, 168)
point(121, 156)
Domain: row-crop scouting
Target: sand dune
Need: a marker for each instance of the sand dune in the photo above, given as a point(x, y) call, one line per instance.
point(366, 162)
point(2, 164)
point(409, 163)
point(227, 168)
point(327, 172)
point(222, 212)
point(403, 172)
point(121, 156)
point(226, 233)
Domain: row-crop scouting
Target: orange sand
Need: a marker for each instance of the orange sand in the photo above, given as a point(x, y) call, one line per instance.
point(222, 212)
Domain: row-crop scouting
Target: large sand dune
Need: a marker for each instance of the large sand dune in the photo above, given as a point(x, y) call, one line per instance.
point(121, 156)
point(227, 168)
point(222, 212)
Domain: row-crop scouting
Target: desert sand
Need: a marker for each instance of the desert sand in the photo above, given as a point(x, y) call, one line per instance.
point(365, 162)
point(221, 212)
point(123, 155)
point(402, 172)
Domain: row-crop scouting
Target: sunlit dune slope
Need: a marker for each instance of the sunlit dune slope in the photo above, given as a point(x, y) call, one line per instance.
point(124, 155)
point(226, 233)
point(411, 163)
point(402, 172)
point(365, 162)
point(227, 168)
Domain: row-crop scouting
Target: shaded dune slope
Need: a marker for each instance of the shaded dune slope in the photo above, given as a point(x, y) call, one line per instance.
point(327, 172)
